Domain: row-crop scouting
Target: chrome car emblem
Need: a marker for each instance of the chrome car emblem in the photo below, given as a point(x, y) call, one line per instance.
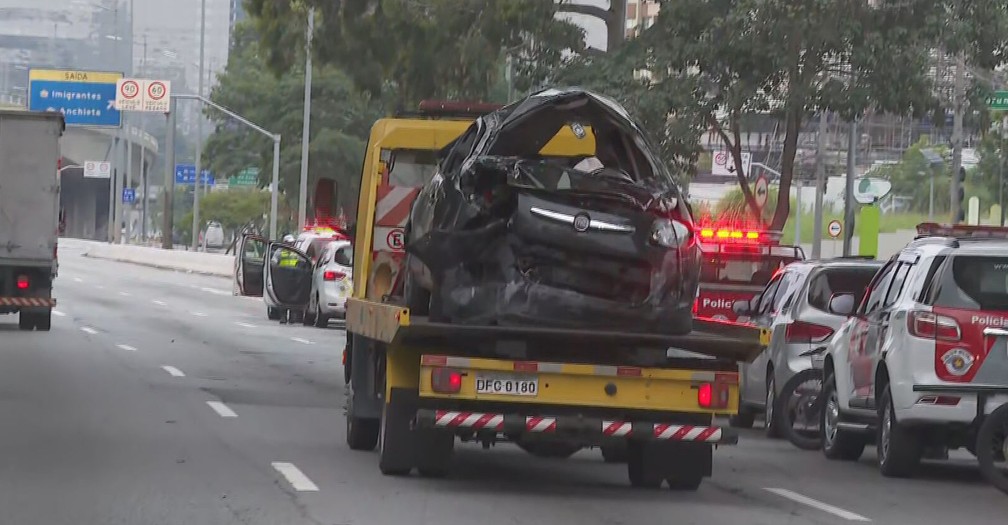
point(582, 222)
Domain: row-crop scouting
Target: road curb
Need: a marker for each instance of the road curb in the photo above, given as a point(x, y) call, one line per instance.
point(158, 266)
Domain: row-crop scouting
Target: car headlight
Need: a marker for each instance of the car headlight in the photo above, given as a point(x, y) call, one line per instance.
point(670, 233)
point(957, 361)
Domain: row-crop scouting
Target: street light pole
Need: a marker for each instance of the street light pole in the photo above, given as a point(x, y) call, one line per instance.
point(199, 132)
point(306, 123)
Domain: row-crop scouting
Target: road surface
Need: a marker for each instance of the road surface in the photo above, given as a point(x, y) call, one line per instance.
point(159, 398)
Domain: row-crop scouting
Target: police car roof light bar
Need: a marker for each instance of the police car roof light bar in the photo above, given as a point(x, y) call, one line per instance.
point(960, 231)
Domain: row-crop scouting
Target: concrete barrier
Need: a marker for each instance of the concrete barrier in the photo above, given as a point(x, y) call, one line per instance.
point(196, 262)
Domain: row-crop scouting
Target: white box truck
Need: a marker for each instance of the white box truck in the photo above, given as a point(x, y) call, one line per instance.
point(29, 214)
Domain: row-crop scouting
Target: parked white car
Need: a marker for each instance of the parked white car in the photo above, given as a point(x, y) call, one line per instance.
point(332, 283)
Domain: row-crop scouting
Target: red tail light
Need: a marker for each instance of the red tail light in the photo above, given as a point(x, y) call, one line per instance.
point(446, 380)
point(330, 275)
point(23, 282)
point(705, 395)
point(932, 326)
point(802, 332)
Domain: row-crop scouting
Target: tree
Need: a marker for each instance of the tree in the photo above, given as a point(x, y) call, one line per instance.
point(418, 49)
point(341, 119)
point(911, 177)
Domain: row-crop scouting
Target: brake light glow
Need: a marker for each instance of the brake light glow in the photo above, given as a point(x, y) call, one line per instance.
point(713, 395)
point(705, 395)
point(727, 234)
point(929, 325)
point(332, 275)
point(23, 282)
point(802, 332)
point(446, 380)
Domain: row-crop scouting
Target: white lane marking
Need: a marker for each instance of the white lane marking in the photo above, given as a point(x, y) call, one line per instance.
point(199, 314)
point(99, 287)
point(172, 371)
point(295, 477)
point(124, 294)
point(221, 409)
point(58, 313)
point(78, 280)
point(302, 341)
point(245, 325)
point(159, 303)
point(89, 330)
point(127, 348)
point(816, 504)
point(215, 291)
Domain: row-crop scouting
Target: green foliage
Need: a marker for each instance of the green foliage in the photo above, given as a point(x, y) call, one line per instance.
point(341, 119)
point(983, 181)
point(422, 49)
point(911, 177)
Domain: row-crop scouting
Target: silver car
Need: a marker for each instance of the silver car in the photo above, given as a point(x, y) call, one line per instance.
point(332, 283)
point(795, 307)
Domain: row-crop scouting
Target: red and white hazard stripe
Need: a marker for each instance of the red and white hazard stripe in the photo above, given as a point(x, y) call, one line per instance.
point(394, 204)
point(27, 301)
point(540, 424)
point(616, 428)
point(473, 420)
point(686, 433)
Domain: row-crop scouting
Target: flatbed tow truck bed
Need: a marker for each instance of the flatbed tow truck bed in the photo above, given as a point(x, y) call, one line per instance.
point(427, 383)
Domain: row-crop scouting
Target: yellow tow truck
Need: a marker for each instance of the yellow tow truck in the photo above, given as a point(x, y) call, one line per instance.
point(416, 386)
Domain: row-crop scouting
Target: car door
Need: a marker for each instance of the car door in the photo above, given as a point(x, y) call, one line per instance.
point(754, 373)
point(288, 276)
point(249, 267)
point(871, 318)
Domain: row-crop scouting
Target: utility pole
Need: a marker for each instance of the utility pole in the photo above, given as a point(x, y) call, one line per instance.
point(848, 233)
point(167, 215)
point(199, 133)
point(957, 134)
point(820, 184)
point(306, 123)
point(1001, 163)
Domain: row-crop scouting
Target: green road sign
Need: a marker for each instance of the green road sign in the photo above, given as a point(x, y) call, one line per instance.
point(999, 100)
point(245, 177)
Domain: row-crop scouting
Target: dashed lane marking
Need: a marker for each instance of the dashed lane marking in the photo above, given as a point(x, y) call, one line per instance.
point(127, 348)
point(78, 280)
point(245, 325)
point(89, 330)
point(215, 291)
point(295, 477)
point(221, 409)
point(172, 371)
point(58, 313)
point(159, 303)
point(199, 314)
point(816, 504)
point(125, 294)
point(301, 340)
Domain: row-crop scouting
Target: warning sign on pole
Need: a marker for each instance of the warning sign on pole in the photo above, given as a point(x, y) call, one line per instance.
point(139, 94)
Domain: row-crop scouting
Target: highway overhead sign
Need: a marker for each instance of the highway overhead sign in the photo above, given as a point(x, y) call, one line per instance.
point(245, 177)
point(834, 229)
point(141, 94)
point(94, 169)
point(723, 163)
point(186, 174)
point(761, 191)
point(85, 98)
point(999, 100)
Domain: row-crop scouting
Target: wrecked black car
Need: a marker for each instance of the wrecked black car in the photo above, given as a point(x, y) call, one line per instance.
point(553, 211)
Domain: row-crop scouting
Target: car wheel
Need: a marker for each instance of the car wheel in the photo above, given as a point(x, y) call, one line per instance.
point(309, 315)
point(800, 405)
point(899, 449)
point(771, 416)
point(837, 444)
point(273, 314)
point(992, 448)
point(321, 320)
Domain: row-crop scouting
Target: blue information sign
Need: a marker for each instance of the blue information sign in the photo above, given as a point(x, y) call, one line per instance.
point(186, 174)
point(129, 195)
point(85, 98)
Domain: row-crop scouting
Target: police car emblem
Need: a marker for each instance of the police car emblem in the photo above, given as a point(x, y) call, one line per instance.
point(581, 222)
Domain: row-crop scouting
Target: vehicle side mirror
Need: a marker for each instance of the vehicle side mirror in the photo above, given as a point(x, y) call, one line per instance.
point(741, 307)
point(842, 304)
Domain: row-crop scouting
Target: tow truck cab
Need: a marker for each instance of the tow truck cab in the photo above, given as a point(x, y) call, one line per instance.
point(417, 386)
point(737, 265)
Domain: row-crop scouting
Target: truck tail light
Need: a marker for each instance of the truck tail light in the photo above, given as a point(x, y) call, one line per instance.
point(446, 380)
point(933, 326)
point(331, 275)
point(23, 282)
point(713, 395)
point(802, 332)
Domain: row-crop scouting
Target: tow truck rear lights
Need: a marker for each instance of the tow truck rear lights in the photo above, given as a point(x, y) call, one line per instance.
point(802, 332)
point(446, 380)
point(23, 282)
point(332, 275)
point(705, 395)
point(713, 395)
point(933, 326)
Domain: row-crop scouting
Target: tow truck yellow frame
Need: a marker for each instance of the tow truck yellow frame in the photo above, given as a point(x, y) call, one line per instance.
point(391, 356)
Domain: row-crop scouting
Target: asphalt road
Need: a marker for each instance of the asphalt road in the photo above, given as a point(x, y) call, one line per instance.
point(158, 398)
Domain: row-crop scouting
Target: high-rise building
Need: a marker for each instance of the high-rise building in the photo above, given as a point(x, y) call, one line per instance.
point(641, 15)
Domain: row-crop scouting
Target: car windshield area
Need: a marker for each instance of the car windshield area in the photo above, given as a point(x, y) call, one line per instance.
point(741, 269)
point(831, 281)
point(972, 282)
point(410, 168)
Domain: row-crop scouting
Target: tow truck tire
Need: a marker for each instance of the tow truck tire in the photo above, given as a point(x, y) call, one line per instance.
point(899, 449)
point(273, 314)
point(844, 446)
point(992, 446)
point(691, 462)
point(361, 433)
point(744, 419)
point(641, 469)
point(26, 320)
point(433, 452)
point(395, 437)
point(43, 320)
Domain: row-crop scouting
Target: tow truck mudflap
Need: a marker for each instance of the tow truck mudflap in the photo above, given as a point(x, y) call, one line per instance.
point(588, 430)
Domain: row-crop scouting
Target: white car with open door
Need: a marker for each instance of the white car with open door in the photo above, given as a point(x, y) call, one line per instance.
point(331, 284)
point(262, 266)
